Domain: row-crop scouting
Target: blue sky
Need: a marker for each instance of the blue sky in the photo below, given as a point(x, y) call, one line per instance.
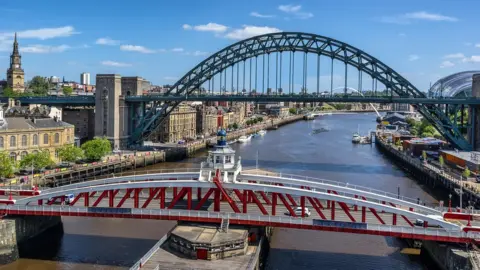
point(161, 40)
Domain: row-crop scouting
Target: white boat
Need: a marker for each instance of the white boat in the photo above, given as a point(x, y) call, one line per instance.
point(262, 132)
point(244, 139)
point(356, 138)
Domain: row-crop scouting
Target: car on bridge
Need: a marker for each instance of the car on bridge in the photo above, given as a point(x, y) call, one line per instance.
point(298, 212)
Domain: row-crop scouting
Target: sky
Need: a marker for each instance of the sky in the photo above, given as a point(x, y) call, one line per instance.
point(423, 40)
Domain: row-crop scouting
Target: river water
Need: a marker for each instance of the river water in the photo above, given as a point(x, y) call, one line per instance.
point(89, 243)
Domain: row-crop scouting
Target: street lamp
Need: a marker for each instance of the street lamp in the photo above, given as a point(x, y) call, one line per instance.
point(450, 202)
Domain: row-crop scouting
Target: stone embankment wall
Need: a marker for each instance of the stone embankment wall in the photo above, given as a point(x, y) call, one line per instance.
point(18, 229)
point(448, 257)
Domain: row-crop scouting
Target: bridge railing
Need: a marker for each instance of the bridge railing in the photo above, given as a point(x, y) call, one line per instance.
point(149, 253)
point(337, 183)
point(127, 173)
point(218, 216)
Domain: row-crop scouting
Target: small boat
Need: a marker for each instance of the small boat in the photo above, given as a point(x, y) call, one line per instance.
point(232, 142)
point(262, 132)
point(356, 138)
point(244, 139)
point(320, 130)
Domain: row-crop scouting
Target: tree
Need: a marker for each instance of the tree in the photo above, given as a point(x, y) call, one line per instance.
point(70, 153)
point(67, 90)
point(259, 119)
point(38, 160)
point(39, 86)
point(235, 125)
point(96, 149)
point(466, 173)
point(441, 161)
point(8, 92)
point(292, 111)
point(7, 165)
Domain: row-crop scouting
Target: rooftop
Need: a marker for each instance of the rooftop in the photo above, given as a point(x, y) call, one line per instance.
point(209, 234)
point(23, 123)
point(473, 157)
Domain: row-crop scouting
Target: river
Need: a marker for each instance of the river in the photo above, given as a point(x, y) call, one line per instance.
point(89, 243)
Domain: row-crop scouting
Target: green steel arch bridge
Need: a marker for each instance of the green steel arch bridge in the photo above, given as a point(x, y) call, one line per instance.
point(263, 68)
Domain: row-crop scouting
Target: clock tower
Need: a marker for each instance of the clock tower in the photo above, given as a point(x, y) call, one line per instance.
point(15, 74)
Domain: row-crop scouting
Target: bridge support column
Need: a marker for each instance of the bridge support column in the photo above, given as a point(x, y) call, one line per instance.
point(274, 204)
point(332, 211)
point(364, 214)
point(199, 194)
point(474, 116)
point(189, 198)
point(244, 201)
point(302, 204)
point(216, 201)
point(394, 219)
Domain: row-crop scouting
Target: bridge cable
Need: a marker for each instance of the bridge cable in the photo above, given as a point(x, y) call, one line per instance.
point(221, 72)
point(238, 71)
point(263, 74)
point(268, 72)
point(244, 62)
point(281, 70)
point(346, 74)
point(232, 89)
point(250, 76)
point(256, 73)
point(276, 72)
point(290, 74)
point(293, 73)
point(331, 79)
point(318, 75)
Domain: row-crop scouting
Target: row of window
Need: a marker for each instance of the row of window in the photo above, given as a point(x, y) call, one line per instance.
point(24, 140)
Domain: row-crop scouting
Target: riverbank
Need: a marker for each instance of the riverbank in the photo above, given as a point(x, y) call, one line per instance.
point(448, 257)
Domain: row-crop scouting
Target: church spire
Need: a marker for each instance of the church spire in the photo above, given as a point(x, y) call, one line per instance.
point(15, 45)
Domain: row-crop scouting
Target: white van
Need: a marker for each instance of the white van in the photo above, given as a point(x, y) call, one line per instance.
point(298, 212)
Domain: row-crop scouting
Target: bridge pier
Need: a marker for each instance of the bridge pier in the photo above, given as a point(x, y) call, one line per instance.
point(474, 116)
point(18, 229)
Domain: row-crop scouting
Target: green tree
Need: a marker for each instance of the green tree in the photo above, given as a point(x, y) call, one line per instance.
point(441, 161)
point(292, 111)
point(235, 125)
point(39, 86)
point(7, 165)
point(8, 92)
point(70, 153)
point(424, 155)
point(259, 119)
point(466, 173)
point(96, 149)
point(38, 160)
point(67, 90)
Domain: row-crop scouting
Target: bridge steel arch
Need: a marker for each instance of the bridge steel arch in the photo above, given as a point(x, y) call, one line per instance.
point(296, 42)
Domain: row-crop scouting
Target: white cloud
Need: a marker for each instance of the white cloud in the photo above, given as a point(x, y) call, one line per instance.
point(422, 15)
point(290, 8)
point(199, 53)
point(136, 48)
point(44, 49)
point(209, 27)
point(250, 31)
point(178, 50)
point(259, 15)
point(472, 59)
point(295, 10)
point(107, 41)
point(115, 64)
point(468, 44)
point(454, 56)
point(169, 78)
point(447, 64)
point(477, 45)
point(413, 57)
point(402, 34)
point(44, 33)
point(407, 18)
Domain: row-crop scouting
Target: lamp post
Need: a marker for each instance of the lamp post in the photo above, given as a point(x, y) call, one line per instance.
point(450, 202)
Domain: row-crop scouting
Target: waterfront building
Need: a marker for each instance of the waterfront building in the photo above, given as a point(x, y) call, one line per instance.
point(83, 120)
point(179, 125)
point(207, 120)
point(279, 111)
point(21, 135)
point(15, 73)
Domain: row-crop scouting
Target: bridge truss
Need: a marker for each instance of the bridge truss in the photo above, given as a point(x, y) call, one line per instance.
point(266, 200)
point(236, 57)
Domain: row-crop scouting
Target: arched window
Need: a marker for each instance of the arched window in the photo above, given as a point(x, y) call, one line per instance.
point(35, 151)
point(45, 138)
point(24, 140)
point(13, 156)
point(13, 141)
point(23, 154)
point(35, 139)
point(1, 142)
point(57, 138)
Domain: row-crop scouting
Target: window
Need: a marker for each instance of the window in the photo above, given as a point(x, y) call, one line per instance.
point(68, 138)
point(23, 154)
point(35, 151)
point(227, 159)
point(13, 141)
point(1, 142)
point(35, 139)
point(45, 139)
point(13, 156)
point(24, 140)
point(57, 138)
point(56, 153)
